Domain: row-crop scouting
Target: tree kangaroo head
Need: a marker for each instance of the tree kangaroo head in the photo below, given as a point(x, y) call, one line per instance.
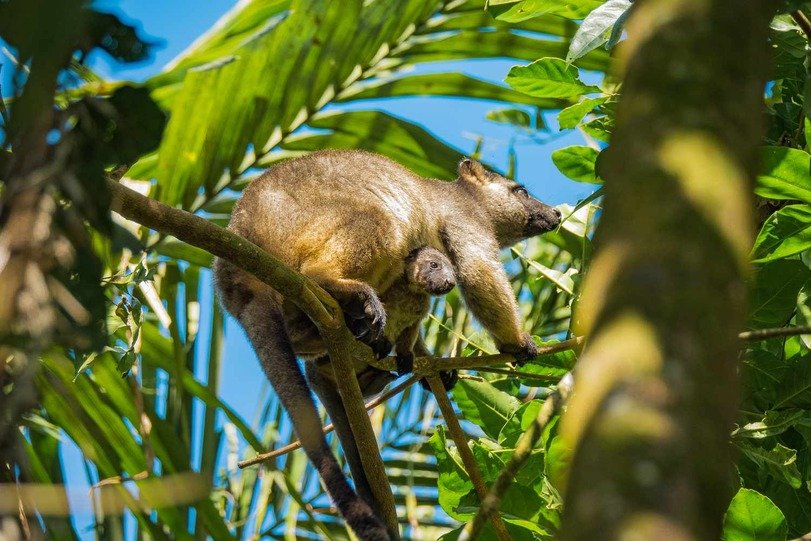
point(514, 213)
point(429, 270)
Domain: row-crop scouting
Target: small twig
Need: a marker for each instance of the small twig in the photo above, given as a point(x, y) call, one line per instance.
point(428, 366)
point(469, 461)
point(764, 334)
point(803, 22)
point(397, 389)
point(523, 450)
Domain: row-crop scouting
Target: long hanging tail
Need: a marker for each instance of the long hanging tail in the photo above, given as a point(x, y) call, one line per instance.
point(262, 320)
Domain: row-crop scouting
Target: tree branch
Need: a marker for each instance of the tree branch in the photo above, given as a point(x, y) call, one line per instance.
point(803, 22)
point(429, 366)
point(469, 461)
point(765, 334)
point(665, 296)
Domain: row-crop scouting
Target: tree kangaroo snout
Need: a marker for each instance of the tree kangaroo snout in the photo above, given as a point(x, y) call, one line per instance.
point(350, 220)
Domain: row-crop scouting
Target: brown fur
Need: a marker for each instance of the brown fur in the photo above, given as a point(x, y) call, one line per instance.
point(349, 220)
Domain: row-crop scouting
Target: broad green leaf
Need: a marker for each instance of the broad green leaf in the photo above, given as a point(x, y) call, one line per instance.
point(785, 233)
point(442, 84)
point(518, 423)
point(563, 280)
point(243, 24)
point(558, 460)
point(596, 28)
point(453, 483)
point(773, 423)
point(753, 517)
point(785, 173)
point(553, 364)
point(548, 78)
point(188, 157)
point(481, 403)
point(571, 116)
point(779, 461)
point(516, 117)
point(501, 44)
point(513, 11)
point(577, 163)
point(600, 128)
point(794, 388)
point(774, 296)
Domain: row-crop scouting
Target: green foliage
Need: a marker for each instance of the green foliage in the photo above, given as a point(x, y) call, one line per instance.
point(752, 516)
point(138, 405)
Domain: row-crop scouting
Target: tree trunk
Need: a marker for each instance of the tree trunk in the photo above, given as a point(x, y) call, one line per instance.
point(656, 389)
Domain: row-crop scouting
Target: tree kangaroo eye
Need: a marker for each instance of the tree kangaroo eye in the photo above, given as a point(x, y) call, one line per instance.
point(434, 265)
point(520, 190)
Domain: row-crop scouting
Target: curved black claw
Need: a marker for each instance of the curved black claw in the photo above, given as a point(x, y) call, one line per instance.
point(365, 317)
point(359, 328)
point(381, 347)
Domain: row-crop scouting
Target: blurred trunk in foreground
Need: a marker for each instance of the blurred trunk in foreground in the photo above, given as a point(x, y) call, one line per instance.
point(656, 390)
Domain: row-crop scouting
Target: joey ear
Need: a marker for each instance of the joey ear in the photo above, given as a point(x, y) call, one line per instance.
point(472, 171)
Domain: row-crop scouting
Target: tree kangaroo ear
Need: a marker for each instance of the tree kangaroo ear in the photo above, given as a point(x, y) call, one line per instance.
point(472, 171)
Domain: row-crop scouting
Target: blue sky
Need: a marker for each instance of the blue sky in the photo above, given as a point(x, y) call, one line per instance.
point(174, 24)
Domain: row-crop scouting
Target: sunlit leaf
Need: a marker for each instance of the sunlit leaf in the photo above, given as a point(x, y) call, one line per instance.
point(513, 11)
point(753, 517)
point(572, 115)
point(577, 163)
point(785, 173)
point(596, 28)
point(548, 78)
point(485, 405)
point(785, 233)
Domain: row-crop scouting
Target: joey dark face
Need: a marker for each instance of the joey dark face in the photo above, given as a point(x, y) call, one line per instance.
point(514, 213)
point(431, 271)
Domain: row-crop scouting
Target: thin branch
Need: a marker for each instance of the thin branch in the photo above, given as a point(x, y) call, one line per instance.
point(428, 366)
point(523, 450)
point(469, 461)
point(803, 22)
point(765, 334)
point(397, 389)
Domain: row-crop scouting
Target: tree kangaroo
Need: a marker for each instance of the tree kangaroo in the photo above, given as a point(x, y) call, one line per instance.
point(348, 220)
